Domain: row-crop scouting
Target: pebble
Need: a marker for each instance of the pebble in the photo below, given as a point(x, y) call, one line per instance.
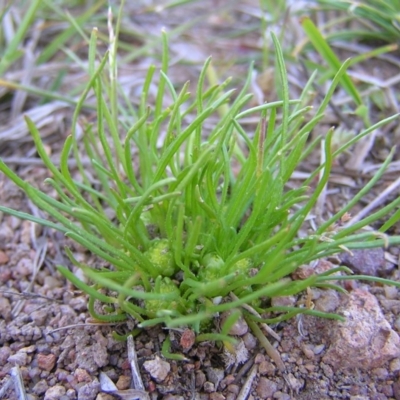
point(227, 381)
point(328, 301)
point(71, 394)
point(391, 292)
point(250, 341)
point(233, 389)
point(215, 376)
point(365, 340)
point(396, 389)
point(5, 308)
point(79, 303)
point(100, 354)
point(217, 396)
point(308, 351)
point(380, 373)
point(46, 361)
point(51, 283)
point(266, 368)
point(6, 235)
point(89, 391)
point(266, 388)
point(365, 261)
point(40, 387)
point(239, 328)
point(394, 365)
point(157, 368)
point(23, 268)
point(3, 258)
point(187, 339)
point(123, 382)
point(319, 349)
point(5, 352)
point(54, 393)
point(294, 383)
point(283, 301)
point(39, 317)
point(282, 396)
point(200, 379)
point(209, 387)
point(21, 359)
point(81, 375)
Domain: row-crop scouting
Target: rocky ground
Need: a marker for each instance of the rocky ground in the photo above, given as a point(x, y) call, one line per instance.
point(45, 328)
point(60, 352)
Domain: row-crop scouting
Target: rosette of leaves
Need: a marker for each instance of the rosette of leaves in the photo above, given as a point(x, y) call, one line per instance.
point(205, 214)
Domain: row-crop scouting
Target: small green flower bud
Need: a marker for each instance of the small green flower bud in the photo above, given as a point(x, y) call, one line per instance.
point(164, 286)
point(160, 255)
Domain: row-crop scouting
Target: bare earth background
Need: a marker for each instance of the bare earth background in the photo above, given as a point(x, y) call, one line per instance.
point(45, 328)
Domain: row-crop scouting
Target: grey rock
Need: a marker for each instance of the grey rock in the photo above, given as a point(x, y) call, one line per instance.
point(89, 391)
point(54, 393)
point(365, 340)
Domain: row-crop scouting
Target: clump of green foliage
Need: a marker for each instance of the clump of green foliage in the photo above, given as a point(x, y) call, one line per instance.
point(378, 19)
point(203, 222)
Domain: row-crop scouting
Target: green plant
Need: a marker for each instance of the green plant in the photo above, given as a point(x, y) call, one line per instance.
point(378, 19)
point(203, 221)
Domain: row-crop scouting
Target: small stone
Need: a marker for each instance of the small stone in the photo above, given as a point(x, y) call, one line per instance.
point(5, 352)
point(81, 375)
point(394, 365)
point(157, 368)
point(282, 396)
point(259, 358)
point(365, 261)
point(187, 339)
point(319, 349)
point(3, 258)
point(308, 352)
point(21, 359)
point(51, 283)
point(200, 379)
point(215, 376)
point(310, 367)
point(283, 301)
point(266, 368)
point(365, 340)
point(100, 354)
point(233, 389)
point(266, 388)
point(54, 393)
point(227, 381)
point(294, 383)
point(380, 373)
point(6, 235)
point(239, 328)
point(328, 301)
point(46, 362)
point(123, 382)
point(209, 387)
point(105, 396)
point(71, 393)
point(79, 303)
point(303, 272)
point(39, 317)
point(391, 292)
point(249, 341)
point(396, 390)
point(89, 391)
point(40, 387)
point(5, 308)
point(217, 396)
